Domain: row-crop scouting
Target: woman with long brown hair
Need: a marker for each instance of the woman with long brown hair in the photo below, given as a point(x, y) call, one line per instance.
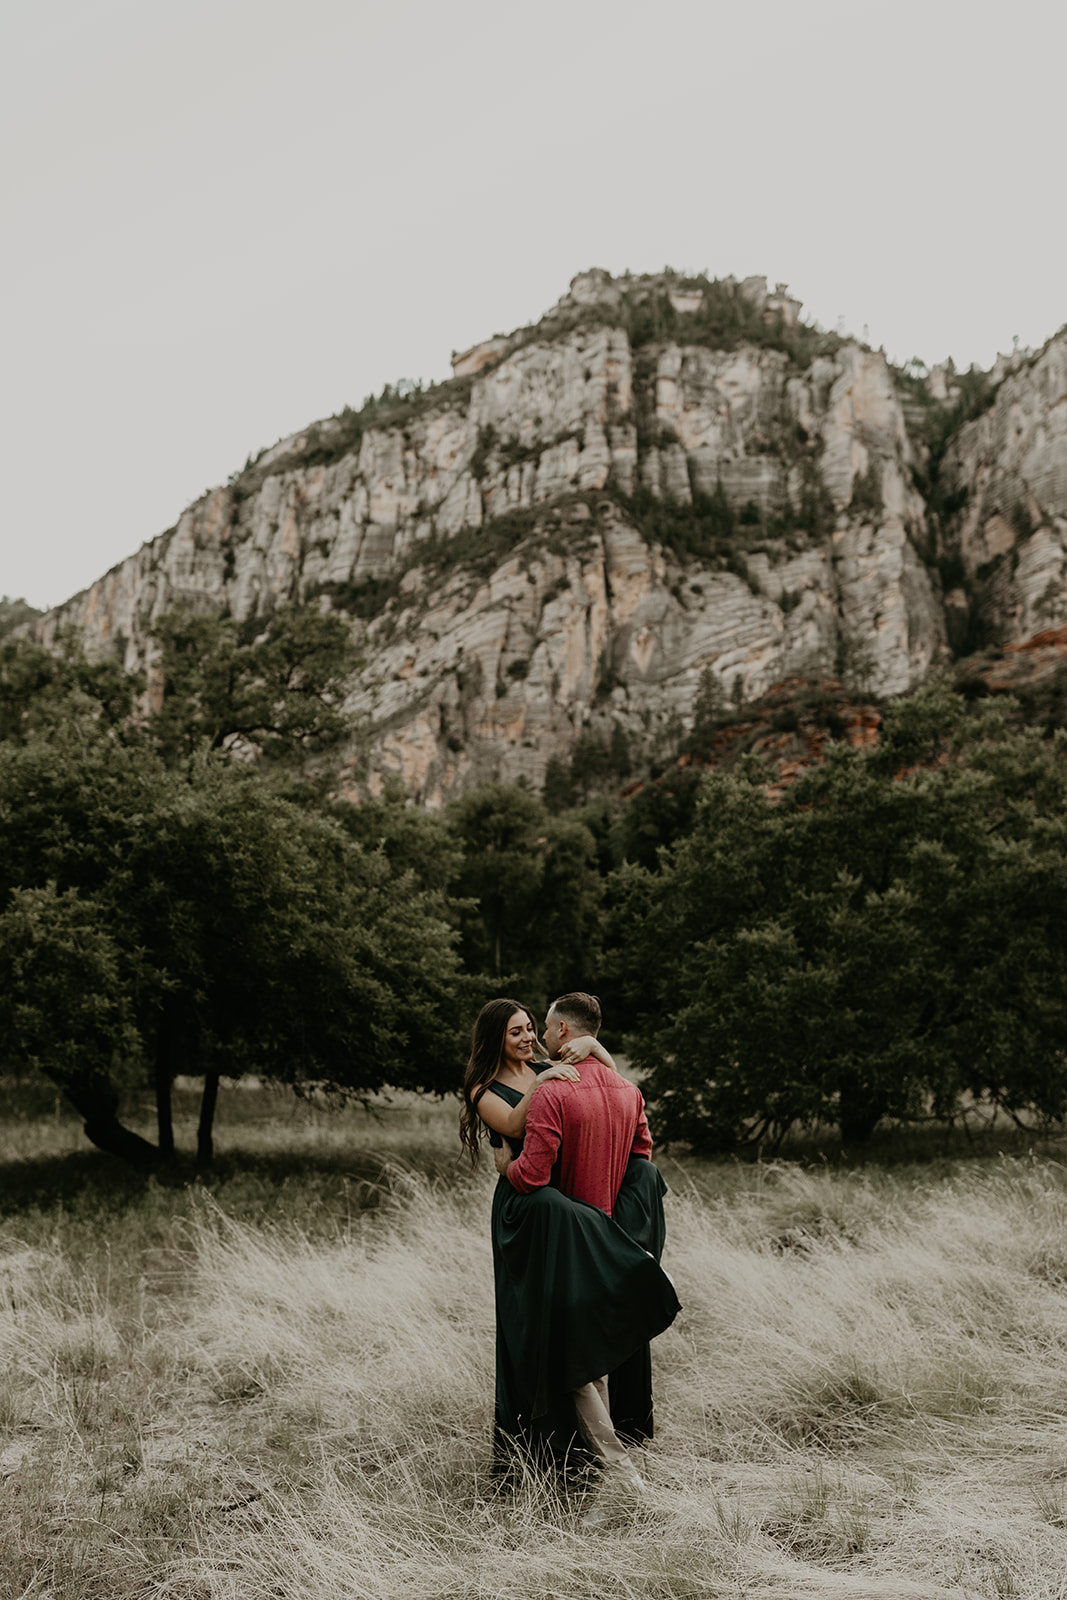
point(576, 1295)
point(505, 1054)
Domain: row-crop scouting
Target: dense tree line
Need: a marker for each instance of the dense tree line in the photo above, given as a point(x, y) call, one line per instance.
point(164, 909)
point(886, 940)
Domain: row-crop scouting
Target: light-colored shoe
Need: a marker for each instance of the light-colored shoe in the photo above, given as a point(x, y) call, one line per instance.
point(621, 1487)
point(625, 1476)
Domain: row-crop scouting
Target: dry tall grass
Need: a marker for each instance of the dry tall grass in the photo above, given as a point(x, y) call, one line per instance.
point(241, 1394)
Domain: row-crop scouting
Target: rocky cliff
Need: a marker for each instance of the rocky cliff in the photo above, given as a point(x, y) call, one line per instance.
point(663, 476)
point(1003, 487)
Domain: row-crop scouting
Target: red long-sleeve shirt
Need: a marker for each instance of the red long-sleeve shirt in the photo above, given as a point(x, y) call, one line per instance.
point(583, 1134)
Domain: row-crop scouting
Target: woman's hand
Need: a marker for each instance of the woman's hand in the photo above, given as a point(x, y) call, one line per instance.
point(560, 1069)
point(586, 1045)
point(577, 1049)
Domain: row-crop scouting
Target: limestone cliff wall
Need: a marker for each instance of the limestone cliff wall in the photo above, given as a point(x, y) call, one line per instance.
point(525, 587)
point(1005, 473)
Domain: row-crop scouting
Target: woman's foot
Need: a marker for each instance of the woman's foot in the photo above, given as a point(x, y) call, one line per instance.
point(621, 1487)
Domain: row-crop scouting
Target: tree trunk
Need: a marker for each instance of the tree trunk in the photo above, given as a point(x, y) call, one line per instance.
point(102, 1127)
point(205, 1149)
point(859, 1112)
point(164, 1081)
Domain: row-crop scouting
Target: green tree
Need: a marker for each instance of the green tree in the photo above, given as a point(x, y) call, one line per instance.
point(40, 689)
point(885, 939)
point(66, 1007)
point(657, 815)
point(413, 840)
point(274, 685)
point(298, 954)
point(559, 792)
point(496, 827)
point(532, 891)
point(234, 931)
point(709, 714)
point(563, 943)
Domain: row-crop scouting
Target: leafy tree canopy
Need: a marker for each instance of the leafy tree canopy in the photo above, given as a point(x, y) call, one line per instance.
point(218, 927)
point(275, 686)
point(886, 940)
point(533, 889)
point(41, 689)
point(413, 840)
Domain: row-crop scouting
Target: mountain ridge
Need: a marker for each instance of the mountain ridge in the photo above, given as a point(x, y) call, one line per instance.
point(665, 477)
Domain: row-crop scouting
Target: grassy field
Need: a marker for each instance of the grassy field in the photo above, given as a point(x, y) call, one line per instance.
point(279, 1383)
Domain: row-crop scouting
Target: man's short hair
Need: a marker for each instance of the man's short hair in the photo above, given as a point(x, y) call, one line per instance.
point(579, 1011)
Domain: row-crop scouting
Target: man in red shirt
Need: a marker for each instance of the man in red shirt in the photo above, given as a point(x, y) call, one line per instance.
point(579, 1137)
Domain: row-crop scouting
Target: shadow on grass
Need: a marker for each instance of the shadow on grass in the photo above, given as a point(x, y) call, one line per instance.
point(926, 1153)
point(274, 1171)
point(272, 1163)
point(930, 1144)
point(65, 1180)
point(258, 1185)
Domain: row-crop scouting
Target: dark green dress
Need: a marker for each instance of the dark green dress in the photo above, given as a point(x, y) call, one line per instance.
point(578, 1294)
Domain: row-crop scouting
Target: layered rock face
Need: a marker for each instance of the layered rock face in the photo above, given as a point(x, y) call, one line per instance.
point(1004, 476)
point(592, 513)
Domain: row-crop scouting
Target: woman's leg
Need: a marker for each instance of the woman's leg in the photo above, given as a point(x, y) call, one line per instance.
point(591, 1404)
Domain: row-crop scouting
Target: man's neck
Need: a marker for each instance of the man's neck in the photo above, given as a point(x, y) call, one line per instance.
point(564, 1042)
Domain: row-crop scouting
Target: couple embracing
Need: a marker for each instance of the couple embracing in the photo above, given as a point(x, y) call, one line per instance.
point(578, 1231)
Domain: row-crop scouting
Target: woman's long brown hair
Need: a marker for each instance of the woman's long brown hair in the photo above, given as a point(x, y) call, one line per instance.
point(486, 1059)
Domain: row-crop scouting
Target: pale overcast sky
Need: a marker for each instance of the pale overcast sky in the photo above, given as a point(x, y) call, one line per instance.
point(225, 218)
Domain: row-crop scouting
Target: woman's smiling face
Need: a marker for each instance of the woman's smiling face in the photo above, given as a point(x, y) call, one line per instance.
point(519, 1041)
